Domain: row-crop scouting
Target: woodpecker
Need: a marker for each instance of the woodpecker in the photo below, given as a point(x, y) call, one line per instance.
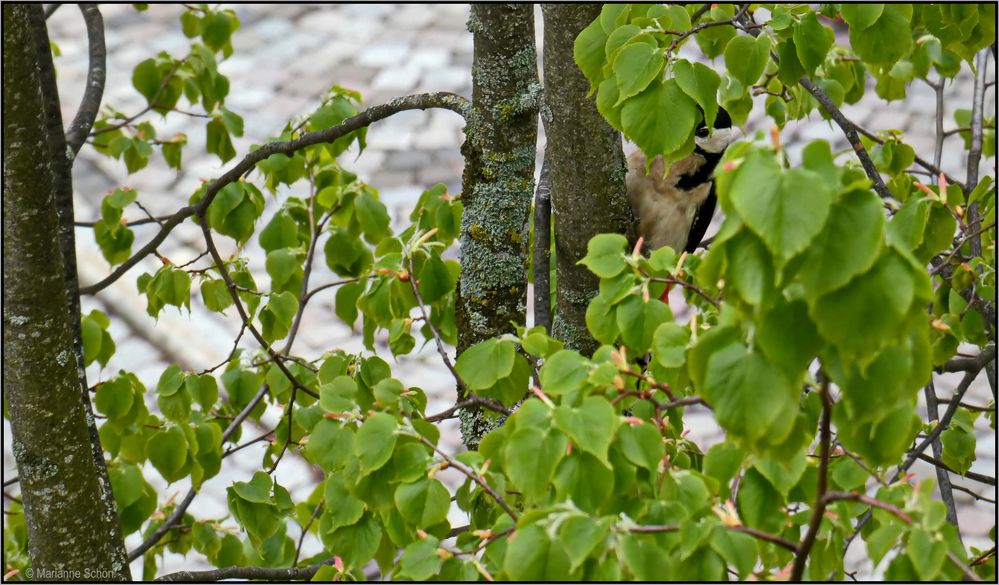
point(676, 210)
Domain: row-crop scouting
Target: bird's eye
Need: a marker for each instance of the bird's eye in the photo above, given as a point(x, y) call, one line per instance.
point(702, 132)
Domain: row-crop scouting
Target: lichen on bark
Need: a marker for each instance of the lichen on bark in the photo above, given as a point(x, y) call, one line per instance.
point(498, 181)
point(72, 528)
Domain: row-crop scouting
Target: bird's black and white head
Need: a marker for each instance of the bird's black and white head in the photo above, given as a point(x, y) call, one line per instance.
point(717, 140)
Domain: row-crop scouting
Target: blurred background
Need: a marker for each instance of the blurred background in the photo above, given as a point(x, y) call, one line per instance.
point(285, 57)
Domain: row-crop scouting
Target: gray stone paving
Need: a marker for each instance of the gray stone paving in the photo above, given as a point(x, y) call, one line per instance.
point(285, 57)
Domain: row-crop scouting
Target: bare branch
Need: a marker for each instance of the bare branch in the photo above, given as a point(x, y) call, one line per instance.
point(472, 401)
point(943, 478)
point(975, 152)
point(932, 168)
point(979, 477)
point(79, 129)
point(464, 391)
point(825, 440)
point(263, 573)
point(422, 101)
point(474, 477)
point(542, 249)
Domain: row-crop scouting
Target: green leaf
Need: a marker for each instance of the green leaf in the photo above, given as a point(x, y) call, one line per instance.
point(847, 246)
point(958, 448)
point(701, 83)
point(347, 255)
point(605, 255)
point(875, 302)
point(786, 213)
point(423, 503)
point(586, 481)
point(669, 345)
point(127, 483)
point(420, 560)
point(532, 556)
point(338, 395)
point(277, 316)
point(737, 549)
point(114, 398)
point(533, 474)
point(927, 554)
point(759, 503)
point(581, 536)
point(485, 363)
point(642, 445)
point(373, 217)
point(591, 426)
point(882, 539)
point(357, 543)
point(217, 140)
point(146, 79)
point(861, 16)
point(646, 560)
point(257, 490)
point(280, 232)
point(660, 119)
point(435, 280)
point(751, 398)
point(848, 474)
point(216, 29)
point(167, 451)
point(638, 320)
point(746, 58)
point(635, 67)
point(721, 462)
point(885, 41)
point(563, 372)
point(783, 474)
point(375, 441)
point(812, 41)
point(171, 381)
point(331, 444)
point(588, 51)
point(216, 295)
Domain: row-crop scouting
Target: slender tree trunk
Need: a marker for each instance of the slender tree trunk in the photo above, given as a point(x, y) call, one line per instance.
point(587, 169)
point(498, 181)
point(73, 528)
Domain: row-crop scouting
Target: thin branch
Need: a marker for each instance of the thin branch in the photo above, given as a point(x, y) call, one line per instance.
point(680, 36)
point(667, 528)
point(96, 74)
point(938, 90)
point(943, 478)
point(850, 131)
point(474, 477)
point(11, 481)
point(975, 152)
point(686, 285)
point(464, 391)
point(979, 477)
point(542, 249)
point(262, 573)
point(825, 440)
point(328, 285)
point(143, 221)
point(932, 168)
point(472, 401)
point(973, 494)
point(152, 103)
point(422, 101)
point(305, 530)
point(181, 508)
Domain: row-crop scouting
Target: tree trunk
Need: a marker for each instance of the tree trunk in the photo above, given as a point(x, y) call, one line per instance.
point(587, 168)
point(73, 531)
point(498, 181)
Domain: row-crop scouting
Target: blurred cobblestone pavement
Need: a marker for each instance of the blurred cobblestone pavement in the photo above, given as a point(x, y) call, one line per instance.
point(285, 57)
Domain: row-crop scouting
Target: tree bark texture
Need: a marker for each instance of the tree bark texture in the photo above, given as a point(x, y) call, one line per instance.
point(498, 182)
point(73, 530)
point(587, 169)
point(61, 158)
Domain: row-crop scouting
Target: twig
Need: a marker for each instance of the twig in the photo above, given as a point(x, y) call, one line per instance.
point(474, 477)
point(463, 388)
point(686, 285)
point(680, 36)
point(938, 90)
point(983, 557)
point(473, 400)
point(305, 530)
point(975, 152)
point(11, 481)
point(263, 573)
point(975, 495)
point(939, 267)
point(943, 478)
point(143, 221)
point(932, 168)
point(421, 101)
point(850, 131)
point(805, 546)
point(181, 508)
point(542, 249)
point(328, 285)
point(667, 528)
point(96, 74)
point(981, 478)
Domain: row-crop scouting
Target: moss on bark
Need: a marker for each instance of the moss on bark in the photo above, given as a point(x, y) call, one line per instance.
point(498, 181)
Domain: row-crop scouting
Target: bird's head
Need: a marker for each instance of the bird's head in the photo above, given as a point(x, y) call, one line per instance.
point(718, 140)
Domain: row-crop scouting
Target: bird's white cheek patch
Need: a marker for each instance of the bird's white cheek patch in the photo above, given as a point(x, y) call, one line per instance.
point(717, 142)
